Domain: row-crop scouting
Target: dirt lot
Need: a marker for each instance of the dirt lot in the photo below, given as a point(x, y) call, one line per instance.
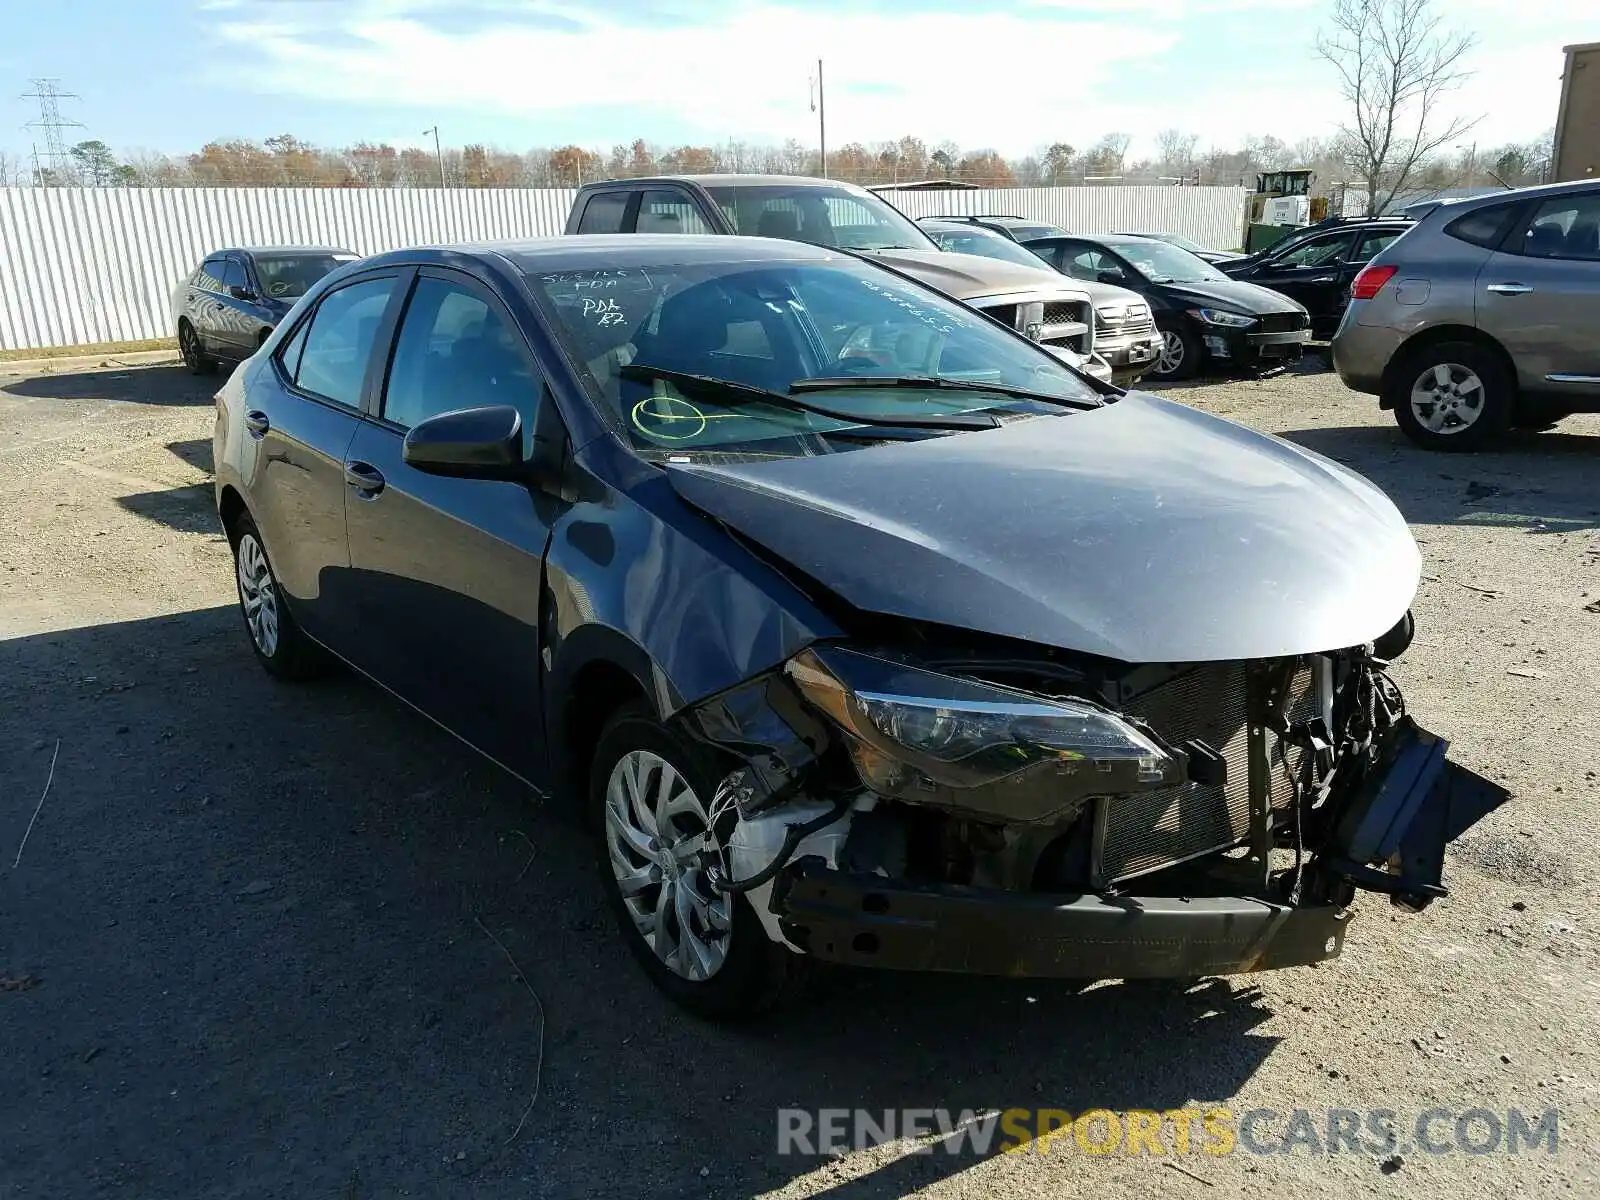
point(245, 950)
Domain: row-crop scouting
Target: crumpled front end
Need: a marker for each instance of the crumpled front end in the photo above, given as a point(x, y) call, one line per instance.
point(1051, 815)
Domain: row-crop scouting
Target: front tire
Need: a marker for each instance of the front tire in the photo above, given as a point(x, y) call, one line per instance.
point(1453, 397)
point(649, 794)
point(279, 645)
point(1180, 357)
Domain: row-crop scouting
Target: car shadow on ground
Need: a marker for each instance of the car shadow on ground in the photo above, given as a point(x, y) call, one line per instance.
point(1541, 482)
point(188, 509)
point(163, 385)
point(281, 932)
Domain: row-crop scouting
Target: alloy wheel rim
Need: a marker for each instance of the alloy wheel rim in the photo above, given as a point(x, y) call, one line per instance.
point(1447, 398)
point(258, 595)
point(1172, 352)
point(655, 838)
point(186, 345)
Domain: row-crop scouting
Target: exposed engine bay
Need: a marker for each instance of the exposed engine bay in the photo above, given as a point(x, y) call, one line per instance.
point(1060, 796)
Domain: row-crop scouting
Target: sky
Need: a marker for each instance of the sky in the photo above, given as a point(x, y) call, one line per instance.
point(169, 75)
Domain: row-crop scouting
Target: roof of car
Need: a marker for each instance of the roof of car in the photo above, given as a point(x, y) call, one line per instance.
point(283, 250)
point(734, 181)
point(593, 251)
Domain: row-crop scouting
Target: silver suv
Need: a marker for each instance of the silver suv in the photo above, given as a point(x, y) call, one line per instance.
point(1484, 316)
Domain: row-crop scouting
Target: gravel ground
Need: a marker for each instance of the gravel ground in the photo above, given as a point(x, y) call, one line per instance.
point(247, 951)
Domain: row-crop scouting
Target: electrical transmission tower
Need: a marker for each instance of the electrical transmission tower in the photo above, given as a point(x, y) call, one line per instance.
point(54, 158)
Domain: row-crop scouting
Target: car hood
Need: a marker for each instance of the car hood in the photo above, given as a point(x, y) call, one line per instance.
point(1232, 293)
point(1143, 531)
point(970, 276)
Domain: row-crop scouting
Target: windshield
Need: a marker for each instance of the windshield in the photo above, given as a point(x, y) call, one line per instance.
point(990, 245)
point(823, 216)
point(1162, 262)
point(1025, 232)
point(289, 276)
point(772, 326)
point(1178, 240)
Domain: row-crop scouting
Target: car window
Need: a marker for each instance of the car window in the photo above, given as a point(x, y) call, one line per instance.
point(769, 325)
point(1370, 245)
point(289, 352)
point(603, 213)
point(1562, 227)
point(232, 274)
point(668, 212)
point(1086, 262)
point(457, 350)
point(1317, 252)
point(212, 273)
point(286, 276)
point(823, 216)
point(986, 243)
point(338, 343)
point(1485, 227)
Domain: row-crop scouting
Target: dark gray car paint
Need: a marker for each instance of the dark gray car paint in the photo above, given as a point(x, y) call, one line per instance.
point(1143, 531)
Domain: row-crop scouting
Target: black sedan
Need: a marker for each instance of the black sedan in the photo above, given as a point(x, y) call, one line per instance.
point(859, 627)
point(1204, 316)
point(230, 303)
point(1317, 266)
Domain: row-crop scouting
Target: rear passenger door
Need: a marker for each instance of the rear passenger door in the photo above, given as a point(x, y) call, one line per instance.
point(206, 310)
point(303, 420)
point(448, 572)
point(1539, 295)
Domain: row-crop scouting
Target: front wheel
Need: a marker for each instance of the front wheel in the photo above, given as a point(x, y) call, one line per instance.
point(1456, 396)
point(650, 791)
point(1180, 357)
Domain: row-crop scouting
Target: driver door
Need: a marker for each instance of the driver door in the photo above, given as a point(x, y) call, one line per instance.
point(1316, 274)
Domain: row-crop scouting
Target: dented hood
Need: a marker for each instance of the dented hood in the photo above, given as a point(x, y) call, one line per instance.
point(1143, 531)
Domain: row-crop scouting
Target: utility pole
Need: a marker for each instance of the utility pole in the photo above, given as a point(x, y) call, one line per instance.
point(438, 154)
point(818, 107)
point(50, 124)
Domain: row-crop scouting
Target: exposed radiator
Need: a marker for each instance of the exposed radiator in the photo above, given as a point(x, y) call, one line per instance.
point(1150, 830)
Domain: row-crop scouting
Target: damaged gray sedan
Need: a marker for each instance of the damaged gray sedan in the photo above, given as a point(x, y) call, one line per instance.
point(863, 629)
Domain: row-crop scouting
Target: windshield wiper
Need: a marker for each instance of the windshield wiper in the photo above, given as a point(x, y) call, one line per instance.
point(843, 383)
point(735, 394)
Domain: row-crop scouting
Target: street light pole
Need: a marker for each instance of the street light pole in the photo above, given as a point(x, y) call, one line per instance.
point(819, 107)
point(438, 154)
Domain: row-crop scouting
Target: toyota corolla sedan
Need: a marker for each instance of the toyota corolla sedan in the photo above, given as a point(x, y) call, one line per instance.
point(862, 629)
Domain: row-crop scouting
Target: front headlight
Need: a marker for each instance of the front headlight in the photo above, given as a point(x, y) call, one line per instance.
point(939, 739)
point(1221, 316)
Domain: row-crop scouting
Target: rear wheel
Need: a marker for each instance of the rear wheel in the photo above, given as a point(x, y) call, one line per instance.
point(650, 792)
point(1456, 396)
point(276, 639)
point(192, 352)
point(1180, 357)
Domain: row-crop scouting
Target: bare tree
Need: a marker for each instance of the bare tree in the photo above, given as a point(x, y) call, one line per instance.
point(1396, 61)
point(1175, 152)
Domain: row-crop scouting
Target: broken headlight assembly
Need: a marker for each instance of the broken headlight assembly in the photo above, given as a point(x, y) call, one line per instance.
point(977, 748)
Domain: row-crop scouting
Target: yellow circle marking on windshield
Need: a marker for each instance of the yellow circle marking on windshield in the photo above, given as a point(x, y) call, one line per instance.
point(693, 419)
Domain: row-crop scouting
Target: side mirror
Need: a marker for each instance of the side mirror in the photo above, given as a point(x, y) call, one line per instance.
point(1110, 277)
point(470, 443)
point(241, 293)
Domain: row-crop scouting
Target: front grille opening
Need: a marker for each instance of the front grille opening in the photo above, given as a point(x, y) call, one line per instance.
point(1150, 831)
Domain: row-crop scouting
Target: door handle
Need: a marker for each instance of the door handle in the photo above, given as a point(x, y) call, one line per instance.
point(1509, 289)
point(256, 422)
point(1324, 279)
point(364, 477)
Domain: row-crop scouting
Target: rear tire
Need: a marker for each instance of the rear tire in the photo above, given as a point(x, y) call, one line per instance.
point(649, 790)
point(1453, 397)
point(192, 350)
point(277, 641)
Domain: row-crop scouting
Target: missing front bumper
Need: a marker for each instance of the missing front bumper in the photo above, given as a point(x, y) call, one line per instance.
point(865, 920)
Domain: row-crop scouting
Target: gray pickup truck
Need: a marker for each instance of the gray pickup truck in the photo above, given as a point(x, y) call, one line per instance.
point(1040, 304)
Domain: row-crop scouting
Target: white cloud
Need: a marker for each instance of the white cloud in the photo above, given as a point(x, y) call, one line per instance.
point(1010, 79)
